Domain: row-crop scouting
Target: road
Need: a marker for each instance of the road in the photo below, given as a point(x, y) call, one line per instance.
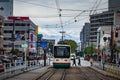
point(83, 72)
point(73, 73)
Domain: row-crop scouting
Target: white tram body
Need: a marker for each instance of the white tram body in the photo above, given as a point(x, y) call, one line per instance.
point(61, 56)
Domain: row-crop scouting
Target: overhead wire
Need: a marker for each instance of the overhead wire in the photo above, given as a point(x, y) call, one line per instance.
point(97, 5)
point(36, 4)
point(59, 10)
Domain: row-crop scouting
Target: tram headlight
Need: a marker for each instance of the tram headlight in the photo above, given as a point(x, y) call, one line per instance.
point(65, 60)
point(57, 59)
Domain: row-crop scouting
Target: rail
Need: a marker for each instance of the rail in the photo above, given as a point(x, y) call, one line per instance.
point(11, 69)
point(110, 68)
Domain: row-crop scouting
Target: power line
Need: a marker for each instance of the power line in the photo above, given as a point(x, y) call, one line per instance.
point(36, 4)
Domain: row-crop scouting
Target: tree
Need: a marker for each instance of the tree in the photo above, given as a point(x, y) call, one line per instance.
point(72, 43)
point(90, 50)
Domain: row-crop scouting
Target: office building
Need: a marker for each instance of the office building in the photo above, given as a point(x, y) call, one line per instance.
point(18, 31)
point(86, 35)
point(6, 8)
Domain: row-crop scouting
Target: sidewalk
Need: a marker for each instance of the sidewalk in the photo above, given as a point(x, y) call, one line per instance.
point(107, 71)
point(30, 75)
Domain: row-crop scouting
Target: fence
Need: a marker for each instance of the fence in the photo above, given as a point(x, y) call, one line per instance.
point(11, 69)
point(110, 69)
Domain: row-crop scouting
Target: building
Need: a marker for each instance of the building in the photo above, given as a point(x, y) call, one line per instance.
point(108, 18)
point(103, 32)
point(17, 31)
point(113, 5)
point(85, 35)
point(100, 20)
point(6, 8)
point(1, 35)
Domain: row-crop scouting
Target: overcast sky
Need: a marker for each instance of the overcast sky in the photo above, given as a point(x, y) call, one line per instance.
point(44, 13)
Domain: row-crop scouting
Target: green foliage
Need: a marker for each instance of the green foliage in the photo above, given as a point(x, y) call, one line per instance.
point(72, 43)
point(90, 50)
point(16, 51)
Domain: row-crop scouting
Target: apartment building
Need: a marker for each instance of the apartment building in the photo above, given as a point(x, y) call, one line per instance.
point(17, 31)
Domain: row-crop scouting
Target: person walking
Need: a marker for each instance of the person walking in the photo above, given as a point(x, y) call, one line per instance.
point(79, 62)
point(91, 61)
point(74, 61)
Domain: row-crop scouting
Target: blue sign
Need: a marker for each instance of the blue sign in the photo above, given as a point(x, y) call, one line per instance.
point(40, 35)
point(43, 44)
point(18, 36)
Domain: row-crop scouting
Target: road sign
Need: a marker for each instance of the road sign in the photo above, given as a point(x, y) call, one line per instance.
point(43, 44)
point(24, 46)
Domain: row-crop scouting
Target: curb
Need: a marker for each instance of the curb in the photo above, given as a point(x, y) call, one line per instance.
point(106, 73)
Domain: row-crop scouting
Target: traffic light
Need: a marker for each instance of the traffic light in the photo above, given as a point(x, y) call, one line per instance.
point(104, 38)
point(116, 33)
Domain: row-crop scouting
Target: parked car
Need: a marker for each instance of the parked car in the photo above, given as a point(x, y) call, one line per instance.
point(1, 67)
point(87, 58)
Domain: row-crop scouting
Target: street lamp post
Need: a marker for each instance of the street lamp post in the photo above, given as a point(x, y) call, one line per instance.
point(98, 45)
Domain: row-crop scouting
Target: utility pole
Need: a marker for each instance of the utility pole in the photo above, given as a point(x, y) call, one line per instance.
point(60, 17)
point(111, 44)
point(13, 36)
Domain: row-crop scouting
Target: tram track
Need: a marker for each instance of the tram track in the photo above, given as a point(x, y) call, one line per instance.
point(72, 73)
point(83, 75)
point(53, 74)
point(94, 75)
point(47, 75)
point(63, 75)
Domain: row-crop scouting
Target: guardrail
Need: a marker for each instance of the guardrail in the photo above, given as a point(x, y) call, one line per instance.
point(11, 69)
point(110, 68)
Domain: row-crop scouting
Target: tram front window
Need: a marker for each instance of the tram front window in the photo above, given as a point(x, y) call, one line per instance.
point(62, 52)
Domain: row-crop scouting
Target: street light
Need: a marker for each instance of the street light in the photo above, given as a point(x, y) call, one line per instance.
point(111, 44)
point(98, 45)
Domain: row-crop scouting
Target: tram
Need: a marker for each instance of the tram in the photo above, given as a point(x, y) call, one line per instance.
point(61, 56)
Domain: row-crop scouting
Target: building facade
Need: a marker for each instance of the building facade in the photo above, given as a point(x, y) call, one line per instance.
point(107, 18)
point(6, 8)
point(85, 35)
point(17, 31)
point(113, 5)
point(100, 20)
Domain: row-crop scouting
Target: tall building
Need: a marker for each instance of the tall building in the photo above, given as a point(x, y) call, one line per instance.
point(108, 18)
point(17, 31)
point(86, 35)
point(100, 20)
point(6, 8)
point(113, 5)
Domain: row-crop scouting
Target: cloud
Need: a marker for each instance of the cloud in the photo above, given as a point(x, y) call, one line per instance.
point(44, 13)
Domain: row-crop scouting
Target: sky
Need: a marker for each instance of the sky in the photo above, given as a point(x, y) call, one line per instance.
point(45, 14)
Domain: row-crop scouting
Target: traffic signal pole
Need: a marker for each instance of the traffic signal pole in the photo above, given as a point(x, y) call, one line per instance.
point(111, 44)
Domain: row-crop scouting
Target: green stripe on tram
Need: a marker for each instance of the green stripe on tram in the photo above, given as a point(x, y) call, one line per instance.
point(61, 65)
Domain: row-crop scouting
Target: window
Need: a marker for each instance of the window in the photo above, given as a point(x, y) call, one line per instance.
point(61, 51)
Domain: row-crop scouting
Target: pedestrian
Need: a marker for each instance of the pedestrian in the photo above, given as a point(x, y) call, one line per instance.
point(79, 62)
point(119, 62)
point(74, 61)
point(91, 61)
